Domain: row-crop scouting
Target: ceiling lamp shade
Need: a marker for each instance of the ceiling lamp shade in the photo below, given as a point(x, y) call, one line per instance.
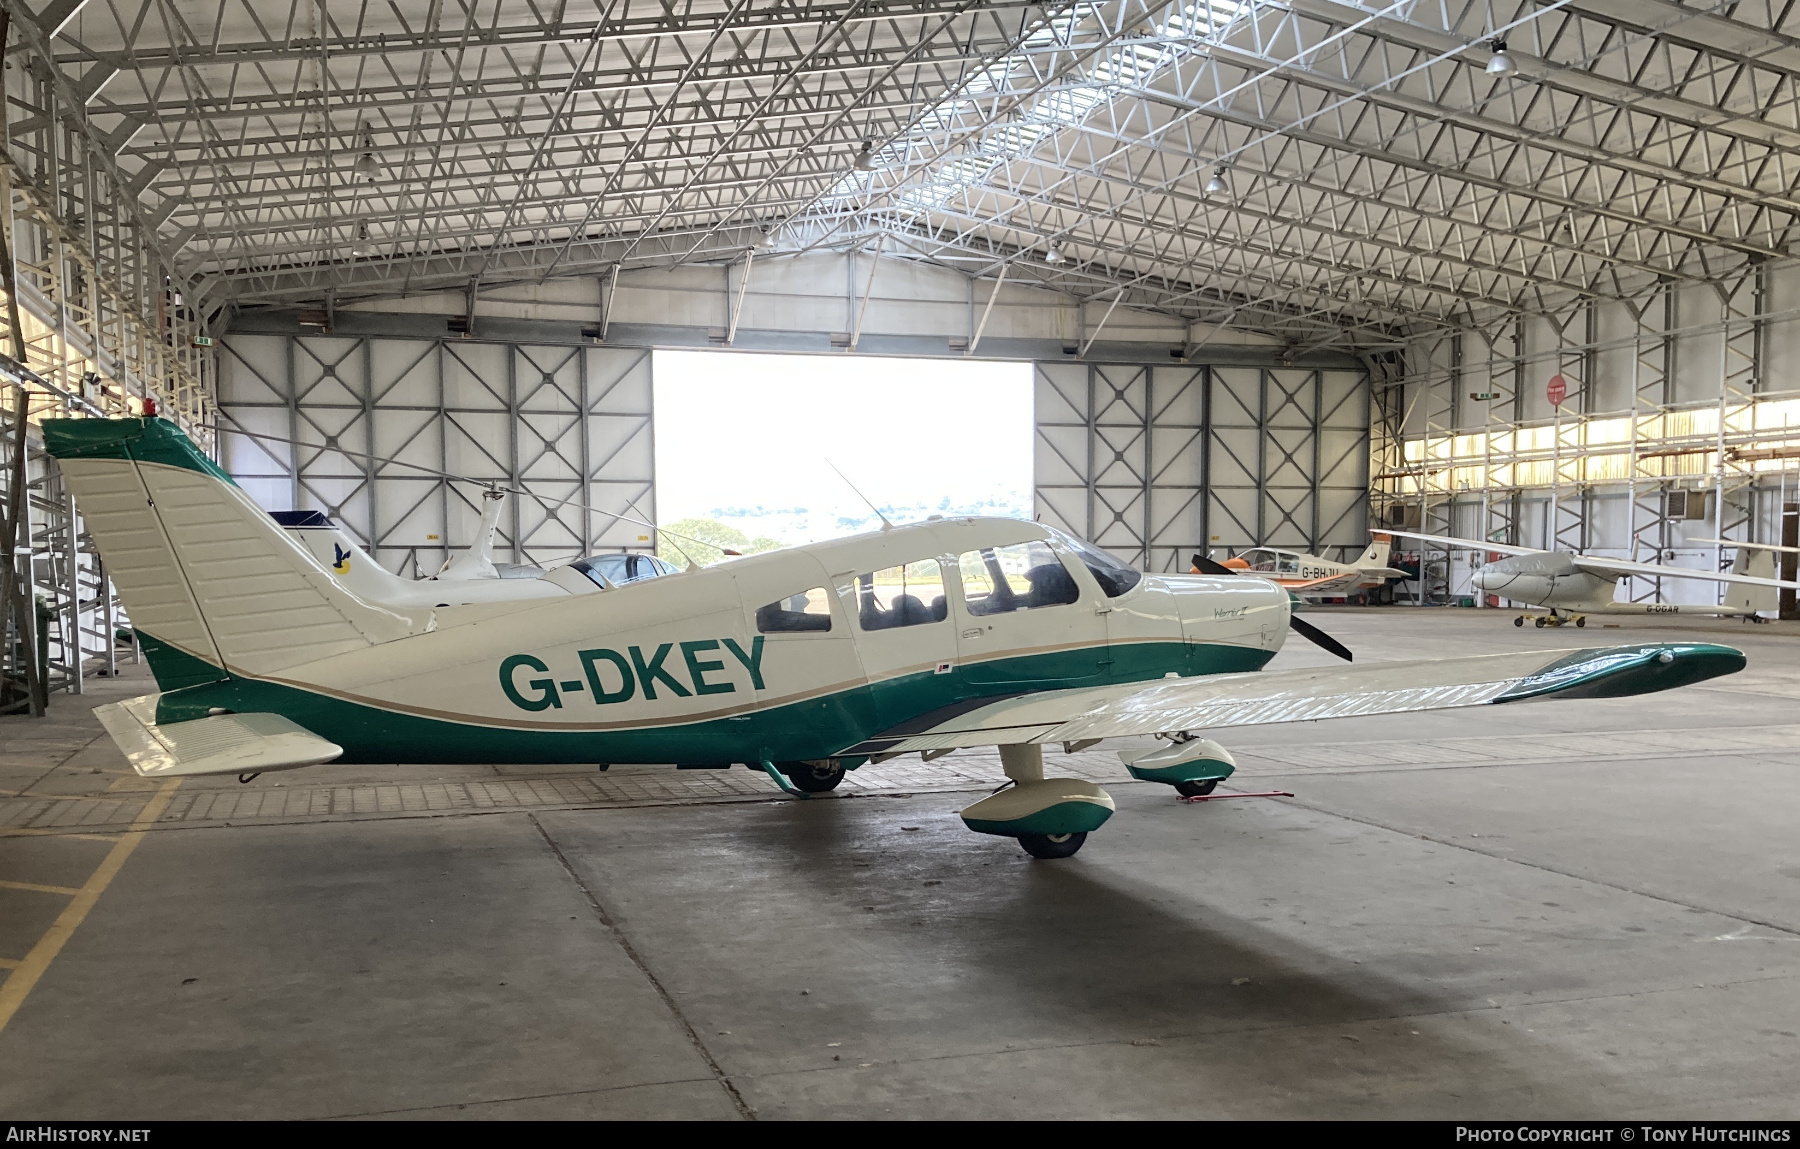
point(366, 167)
point(865, 159)
point(1217, 185)
point(359, 247)
point(765, 239)
point(1054, 255)
point(1502, 63)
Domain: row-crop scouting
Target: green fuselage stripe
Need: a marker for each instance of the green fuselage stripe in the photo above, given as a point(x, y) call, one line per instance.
point(816, 728)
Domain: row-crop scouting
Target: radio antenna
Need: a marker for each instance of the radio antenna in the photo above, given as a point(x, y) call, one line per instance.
point(885, 525)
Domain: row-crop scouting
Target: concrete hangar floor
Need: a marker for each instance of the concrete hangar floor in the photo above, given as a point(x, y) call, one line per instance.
point(1580, 909)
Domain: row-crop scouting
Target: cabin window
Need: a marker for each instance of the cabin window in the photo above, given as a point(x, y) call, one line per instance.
point(1020, 577)
point(808, 610)
point(909, 595)
point(1114, 577)
point(616, 570)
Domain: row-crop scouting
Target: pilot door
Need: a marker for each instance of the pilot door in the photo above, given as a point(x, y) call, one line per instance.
point(904, 636)
point(1027, 623)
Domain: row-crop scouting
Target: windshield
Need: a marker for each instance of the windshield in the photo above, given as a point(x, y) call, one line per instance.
point(1114, 577)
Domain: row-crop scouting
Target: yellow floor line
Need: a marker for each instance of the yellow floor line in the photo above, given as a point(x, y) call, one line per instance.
point(8, 963)
point(66, 891)
point(21, 980)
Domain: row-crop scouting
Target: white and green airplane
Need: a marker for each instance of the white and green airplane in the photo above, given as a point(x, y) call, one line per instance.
point(803, 663)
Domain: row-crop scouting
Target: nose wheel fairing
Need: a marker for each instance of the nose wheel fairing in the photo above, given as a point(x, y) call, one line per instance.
point(1051, 807)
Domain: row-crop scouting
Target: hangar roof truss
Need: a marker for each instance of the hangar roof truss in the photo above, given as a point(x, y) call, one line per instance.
point(1378, 181)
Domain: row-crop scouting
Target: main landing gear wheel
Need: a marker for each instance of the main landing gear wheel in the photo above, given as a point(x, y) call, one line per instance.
point(813, 777)
point(1052, 845)
point(1582, 621)
point(1520, 621)
point(1539, 624)
point(1196, 789)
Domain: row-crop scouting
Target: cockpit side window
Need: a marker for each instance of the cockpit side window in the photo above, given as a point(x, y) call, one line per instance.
point(1114, 577)
point(1024, 576)
point(619, 569)
point(909, 595)
point(809, 610)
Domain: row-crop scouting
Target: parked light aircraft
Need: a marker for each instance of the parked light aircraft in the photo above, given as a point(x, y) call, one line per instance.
point(1571, 586)
point(1310, 576)
point(803, 662)
point(470, 577)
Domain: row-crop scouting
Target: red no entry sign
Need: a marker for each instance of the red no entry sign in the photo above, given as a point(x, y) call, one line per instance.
point(1557, 390)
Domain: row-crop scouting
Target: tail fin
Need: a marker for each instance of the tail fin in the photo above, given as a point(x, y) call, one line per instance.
point(337, 552)
point(1757, 563)
point(205, 574)
point(478, 560)
point(1377, 554)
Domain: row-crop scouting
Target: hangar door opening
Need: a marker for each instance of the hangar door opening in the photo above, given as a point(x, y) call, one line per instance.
point(1156, 462)
point(749, 446)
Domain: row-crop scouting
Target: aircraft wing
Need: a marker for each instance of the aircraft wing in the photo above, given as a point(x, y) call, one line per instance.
point(1604, 566)
point(1472, 544)
point(1261, 698)
point(1383, 572)
point(219, 744)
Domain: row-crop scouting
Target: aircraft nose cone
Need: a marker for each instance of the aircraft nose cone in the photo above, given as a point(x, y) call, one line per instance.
point(1480, 579)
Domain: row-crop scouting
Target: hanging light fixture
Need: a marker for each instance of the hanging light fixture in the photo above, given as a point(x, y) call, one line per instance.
point(359, 247)
point(765, 239)
point(367, 168)
point(1217, 185)
point(1501, 63)
point(865, 159)
point(1054, 255)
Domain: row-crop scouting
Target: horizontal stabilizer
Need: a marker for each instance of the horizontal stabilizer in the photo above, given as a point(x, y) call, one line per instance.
point(219, 744)
point(1262, 697)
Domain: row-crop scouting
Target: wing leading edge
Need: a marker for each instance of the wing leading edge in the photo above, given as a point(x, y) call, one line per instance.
point(1260, 698)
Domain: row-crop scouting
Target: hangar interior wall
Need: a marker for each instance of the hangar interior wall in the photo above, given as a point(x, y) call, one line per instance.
point(377, 433)
point(1681, 423)
point(1157, 462)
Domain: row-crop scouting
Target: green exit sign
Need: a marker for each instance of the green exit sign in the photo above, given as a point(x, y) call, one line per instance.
point(202, 341)
point(1481, 395)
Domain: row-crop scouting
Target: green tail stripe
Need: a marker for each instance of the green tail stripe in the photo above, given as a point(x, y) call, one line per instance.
point(147, 440)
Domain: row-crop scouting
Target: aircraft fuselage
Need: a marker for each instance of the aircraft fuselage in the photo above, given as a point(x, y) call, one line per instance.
point(793, 655)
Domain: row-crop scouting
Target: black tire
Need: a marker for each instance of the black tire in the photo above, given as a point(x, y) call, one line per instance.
point(813, 778)
point(1518, 622)
point(1196, 789)
point(1539, 624)
point(1049, 846)
point(1581, 622)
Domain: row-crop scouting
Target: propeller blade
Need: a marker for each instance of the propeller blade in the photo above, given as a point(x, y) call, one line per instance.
point(1319, 638)
point(1207, 566)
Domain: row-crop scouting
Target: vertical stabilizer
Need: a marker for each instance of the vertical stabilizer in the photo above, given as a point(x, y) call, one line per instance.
point(202, 570)
point(478, 560)
point(1756, 563)
point(344, 557)
point(1376, 556)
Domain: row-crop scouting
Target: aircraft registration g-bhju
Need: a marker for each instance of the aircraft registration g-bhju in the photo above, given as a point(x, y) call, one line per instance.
point(803, 662)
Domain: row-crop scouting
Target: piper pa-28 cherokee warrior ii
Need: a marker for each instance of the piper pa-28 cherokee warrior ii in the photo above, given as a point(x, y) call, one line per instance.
point(803, 662)
point(1572, 586)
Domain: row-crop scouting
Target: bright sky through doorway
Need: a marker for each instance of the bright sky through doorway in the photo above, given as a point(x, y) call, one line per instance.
point(744, 439)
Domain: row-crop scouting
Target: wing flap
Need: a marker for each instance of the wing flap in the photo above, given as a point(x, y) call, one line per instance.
point(218, 744)
point(1262, 698)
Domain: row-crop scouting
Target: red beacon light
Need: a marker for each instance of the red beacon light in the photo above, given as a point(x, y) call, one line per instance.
point(149, 406)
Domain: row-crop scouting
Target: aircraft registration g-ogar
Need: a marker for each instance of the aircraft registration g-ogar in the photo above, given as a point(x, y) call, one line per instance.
point(803, 662)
